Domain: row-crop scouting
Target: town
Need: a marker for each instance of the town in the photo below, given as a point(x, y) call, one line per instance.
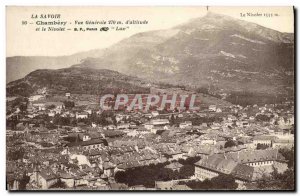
point(57, 142)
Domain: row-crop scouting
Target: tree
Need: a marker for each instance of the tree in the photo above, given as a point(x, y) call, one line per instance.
point(24, 181)
point(203, 90)
point(59, 184)
point(59, 120)
point(263, 118)
point(52, 106)
point(15, 153)
point(69, 104)
point(229, 144)
point(172, 120)
point(146, 175)
point(120, 177)
point(23, 107)
point(94, 117)
point(221, 182)
point(224, 181)
point(198, 185)
point(275, 181)
point(288, 155)
point(189, 160)
point(262, 146)
point(288, 179)
point(283, 180)
point(186, 171)
point(114, 120)
point(12, 123)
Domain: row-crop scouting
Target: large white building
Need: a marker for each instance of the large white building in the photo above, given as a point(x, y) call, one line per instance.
point(245, 166)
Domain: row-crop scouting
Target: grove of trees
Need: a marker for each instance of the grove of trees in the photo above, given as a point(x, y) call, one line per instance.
point(221, 182)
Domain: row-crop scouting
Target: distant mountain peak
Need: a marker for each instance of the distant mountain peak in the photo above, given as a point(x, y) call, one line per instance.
point(210, 14)
point(216, 21)
point(210, 17)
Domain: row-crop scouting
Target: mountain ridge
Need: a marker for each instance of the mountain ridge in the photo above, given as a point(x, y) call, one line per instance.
point(19, 66)
point(216, 43)
point(217, 52)
point(75, 80)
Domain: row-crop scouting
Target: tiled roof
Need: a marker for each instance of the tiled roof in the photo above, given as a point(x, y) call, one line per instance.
point(47, 174)
point(174, 165)
point(65, 175)
point(255, 156)
point(86, 143)
point(265, 137)
point(218, 164)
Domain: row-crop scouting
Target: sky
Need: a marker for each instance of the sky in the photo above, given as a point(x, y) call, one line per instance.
point(24, 40)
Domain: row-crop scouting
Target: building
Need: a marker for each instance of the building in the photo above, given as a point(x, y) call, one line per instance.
point(154, 113)
point(185, 124)
point(257, 158)
point(35, 97)
point(243, 123)
point(174, 166)
point(245, 166)
point(148, 126)
point(212, 108)
point(208, 141)
point(86, 137)
point(67, 178)
point(39, 106)
point(283, 143)
point(212, 166)
point(44, 178)
point(123, 126)
point(82, 115)
point(263, 139)
point(159, 122)
point(88, 144)
point(219, 110)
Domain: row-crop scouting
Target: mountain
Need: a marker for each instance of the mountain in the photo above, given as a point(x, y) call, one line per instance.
point(19, 66)
point(217, 52)
point(214, 54)
point(88, 81)
point(76, 81)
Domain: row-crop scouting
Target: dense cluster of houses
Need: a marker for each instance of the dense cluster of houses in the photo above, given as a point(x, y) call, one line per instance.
point(89, 155)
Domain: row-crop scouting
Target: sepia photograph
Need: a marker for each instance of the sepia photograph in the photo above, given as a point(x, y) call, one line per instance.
point(182, 98)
